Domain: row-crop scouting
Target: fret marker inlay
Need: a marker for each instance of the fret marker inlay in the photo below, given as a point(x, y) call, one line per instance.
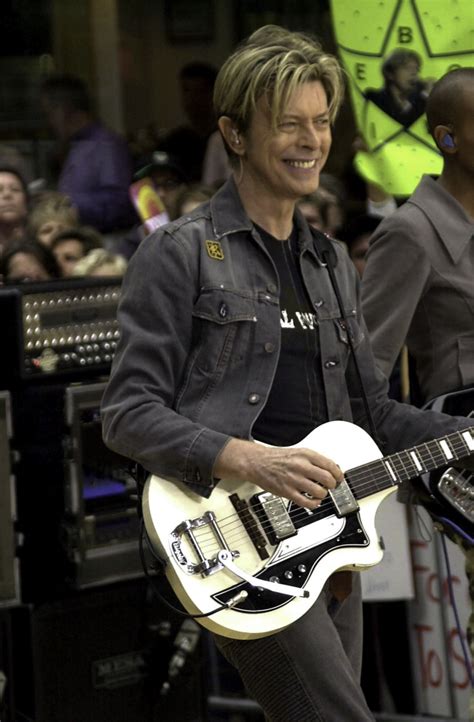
point(391, 471)
point(445, 448)
point(416, 460)
point(467, 436)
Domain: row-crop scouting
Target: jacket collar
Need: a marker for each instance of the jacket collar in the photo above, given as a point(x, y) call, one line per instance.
point(227, 212)
point(228, 216)
point(446, 214)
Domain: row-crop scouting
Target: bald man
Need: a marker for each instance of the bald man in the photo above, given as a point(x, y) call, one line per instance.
point(418, 283)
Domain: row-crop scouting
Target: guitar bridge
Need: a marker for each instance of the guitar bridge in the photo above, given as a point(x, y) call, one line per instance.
point(184, 536)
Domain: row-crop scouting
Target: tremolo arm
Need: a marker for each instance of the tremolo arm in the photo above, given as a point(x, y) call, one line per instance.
point(225, 558)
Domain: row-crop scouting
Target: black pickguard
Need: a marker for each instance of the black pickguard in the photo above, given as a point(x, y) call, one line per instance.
point(352, 535)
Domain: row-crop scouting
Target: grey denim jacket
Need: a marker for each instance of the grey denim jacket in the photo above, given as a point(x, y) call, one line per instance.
point(200, 338)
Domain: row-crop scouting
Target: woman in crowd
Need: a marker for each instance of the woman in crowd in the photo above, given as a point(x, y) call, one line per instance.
point(52, 212)
point(27, 260)
point(71, 245)
point(13, 206)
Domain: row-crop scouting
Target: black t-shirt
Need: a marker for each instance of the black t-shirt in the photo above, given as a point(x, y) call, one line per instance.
point(296, 401)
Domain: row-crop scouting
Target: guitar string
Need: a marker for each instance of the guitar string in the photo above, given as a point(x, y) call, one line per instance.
point(363, 472)
point(226, 522)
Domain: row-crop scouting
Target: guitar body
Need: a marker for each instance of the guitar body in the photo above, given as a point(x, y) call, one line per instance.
point(188, 531)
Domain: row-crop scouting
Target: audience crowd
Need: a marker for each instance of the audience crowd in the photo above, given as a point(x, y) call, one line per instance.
point(85, 205)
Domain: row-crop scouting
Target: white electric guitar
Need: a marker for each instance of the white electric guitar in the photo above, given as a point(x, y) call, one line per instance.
point(262, 561)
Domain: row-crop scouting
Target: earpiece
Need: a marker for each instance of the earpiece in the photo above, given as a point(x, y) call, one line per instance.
point(448, 141)
point(235, 133)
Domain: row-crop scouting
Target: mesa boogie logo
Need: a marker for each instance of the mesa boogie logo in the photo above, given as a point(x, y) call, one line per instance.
point(119, 671)
point(47, 361)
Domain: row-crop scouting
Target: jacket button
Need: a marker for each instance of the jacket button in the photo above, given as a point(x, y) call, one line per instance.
point(330, 364)
point(254, 398)
point(269, 347)
point(271, 288)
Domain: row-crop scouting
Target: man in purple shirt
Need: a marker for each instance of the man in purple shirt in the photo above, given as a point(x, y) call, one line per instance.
point(97, 169)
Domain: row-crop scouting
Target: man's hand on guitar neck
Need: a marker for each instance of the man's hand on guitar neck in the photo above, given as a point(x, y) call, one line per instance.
point(298, 474)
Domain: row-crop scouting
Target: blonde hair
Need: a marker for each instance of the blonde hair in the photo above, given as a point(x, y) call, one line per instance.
point(98, 258)
point(273, 62)
point(52, 205)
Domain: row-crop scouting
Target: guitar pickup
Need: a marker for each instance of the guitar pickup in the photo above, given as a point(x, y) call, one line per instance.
point(343, 499)
point(273, 516)
point(248, 520)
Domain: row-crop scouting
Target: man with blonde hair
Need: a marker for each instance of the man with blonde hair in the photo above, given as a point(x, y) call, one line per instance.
point(231, 333)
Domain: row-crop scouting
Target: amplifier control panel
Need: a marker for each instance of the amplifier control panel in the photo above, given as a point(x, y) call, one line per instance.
point(65, 328)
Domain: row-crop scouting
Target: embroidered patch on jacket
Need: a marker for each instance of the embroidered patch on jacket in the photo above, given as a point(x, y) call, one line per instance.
point(214, 250)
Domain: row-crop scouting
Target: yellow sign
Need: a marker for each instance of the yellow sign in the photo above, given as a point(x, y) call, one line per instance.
point(393, 51)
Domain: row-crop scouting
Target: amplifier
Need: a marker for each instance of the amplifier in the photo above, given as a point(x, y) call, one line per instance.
point(65, 328)
point(104, 655)
point(100, 526)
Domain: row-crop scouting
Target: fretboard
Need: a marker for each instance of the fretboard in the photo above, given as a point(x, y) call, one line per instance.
point(410, 463)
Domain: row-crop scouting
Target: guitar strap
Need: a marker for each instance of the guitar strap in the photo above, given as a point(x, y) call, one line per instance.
point(325, 251)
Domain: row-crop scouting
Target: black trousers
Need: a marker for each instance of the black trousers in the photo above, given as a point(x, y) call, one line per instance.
point(310, 671)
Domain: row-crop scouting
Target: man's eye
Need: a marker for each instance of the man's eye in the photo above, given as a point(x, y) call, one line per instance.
point(288, 125)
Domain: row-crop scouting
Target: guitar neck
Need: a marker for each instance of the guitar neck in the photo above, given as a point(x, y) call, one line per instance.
point(410, 463)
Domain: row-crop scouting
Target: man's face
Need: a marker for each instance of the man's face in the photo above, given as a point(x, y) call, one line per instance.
point(405, 77)
point(196, 94)
point(56, 117)
point(285, 163)
point(167, 185)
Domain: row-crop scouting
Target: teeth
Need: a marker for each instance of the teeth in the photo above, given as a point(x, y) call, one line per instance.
point(302, 163)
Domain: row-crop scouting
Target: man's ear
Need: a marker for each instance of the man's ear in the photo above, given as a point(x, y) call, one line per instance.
point(231, 135)
point(445, 140)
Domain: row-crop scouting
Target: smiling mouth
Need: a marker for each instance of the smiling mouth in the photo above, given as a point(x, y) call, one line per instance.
point(305, 164)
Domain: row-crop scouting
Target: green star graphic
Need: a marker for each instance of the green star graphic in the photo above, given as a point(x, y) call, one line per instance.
point(441, 34)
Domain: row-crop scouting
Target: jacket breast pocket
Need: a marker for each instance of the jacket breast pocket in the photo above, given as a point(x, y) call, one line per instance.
point(223, 332)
